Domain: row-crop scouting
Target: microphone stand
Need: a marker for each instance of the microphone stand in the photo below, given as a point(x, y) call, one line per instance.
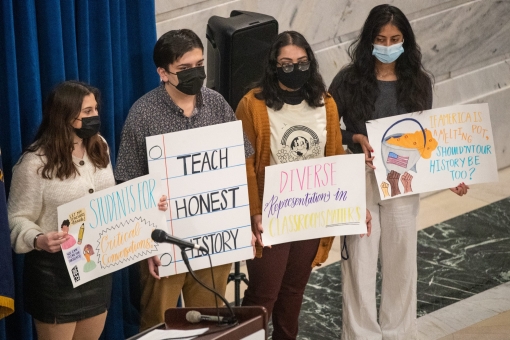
point(237, 277)
point(232, 320)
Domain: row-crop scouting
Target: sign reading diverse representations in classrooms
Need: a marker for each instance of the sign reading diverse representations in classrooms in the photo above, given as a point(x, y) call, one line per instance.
point(314, 198)
point(205, 181)
point(432, 150)
point(111, 229)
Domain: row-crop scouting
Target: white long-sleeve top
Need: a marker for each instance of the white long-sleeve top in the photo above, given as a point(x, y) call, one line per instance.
point(33, 200)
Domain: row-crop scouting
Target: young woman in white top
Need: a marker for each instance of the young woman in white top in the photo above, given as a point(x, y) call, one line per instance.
point(67, 160)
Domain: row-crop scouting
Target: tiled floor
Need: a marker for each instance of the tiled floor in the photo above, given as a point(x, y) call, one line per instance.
point(495, 328)
point(437, 208)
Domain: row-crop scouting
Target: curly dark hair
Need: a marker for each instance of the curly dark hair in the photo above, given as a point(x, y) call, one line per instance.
point(313, 91)
point(358, 80)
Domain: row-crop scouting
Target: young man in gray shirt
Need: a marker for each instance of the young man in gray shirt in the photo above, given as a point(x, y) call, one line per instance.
point(179, 103)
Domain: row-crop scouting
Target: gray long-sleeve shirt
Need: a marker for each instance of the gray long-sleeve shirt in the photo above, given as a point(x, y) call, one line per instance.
point(385, 106)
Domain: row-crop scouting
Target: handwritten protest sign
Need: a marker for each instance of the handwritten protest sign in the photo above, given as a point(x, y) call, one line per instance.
point(432, 150)
point(314, 198)
point(111, 229)
point(205, 180)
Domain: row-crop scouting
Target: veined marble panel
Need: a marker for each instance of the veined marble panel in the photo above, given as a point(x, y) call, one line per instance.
point(500, 112)
point(332, 59)
point(450, 40)
point(174, 11)
point(322, 22)
point(464, 88)
point(328, 22)
point(197, 20)
point(464, 313)
point(464, 35)
point(490, 84)
point(163, 6)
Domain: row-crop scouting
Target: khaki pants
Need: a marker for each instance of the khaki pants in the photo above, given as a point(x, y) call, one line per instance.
point(159, 295)
point(393, 240)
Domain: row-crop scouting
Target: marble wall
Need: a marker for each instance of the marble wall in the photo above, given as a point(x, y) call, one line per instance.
point(465, 44)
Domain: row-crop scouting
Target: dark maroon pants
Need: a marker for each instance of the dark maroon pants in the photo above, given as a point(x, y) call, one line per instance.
point(277, 282)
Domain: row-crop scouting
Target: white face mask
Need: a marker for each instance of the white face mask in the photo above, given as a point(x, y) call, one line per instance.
point(388, 54)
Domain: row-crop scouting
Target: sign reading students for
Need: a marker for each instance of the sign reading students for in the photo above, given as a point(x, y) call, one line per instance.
point(111, 229)
point(314, 198)
point(205, 180)
point(433, 150)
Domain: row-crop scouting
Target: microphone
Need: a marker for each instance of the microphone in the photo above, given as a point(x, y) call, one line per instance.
point(160, 236)
point(195, 317)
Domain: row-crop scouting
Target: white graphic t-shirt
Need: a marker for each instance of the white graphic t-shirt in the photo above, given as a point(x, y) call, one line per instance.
point(298, 132)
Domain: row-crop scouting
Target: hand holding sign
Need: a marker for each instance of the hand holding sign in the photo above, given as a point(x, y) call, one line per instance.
point(461, 189)
point(366, 147)
point(368, 222)
point(163, 204)
point(257, 229)
point(51, 241)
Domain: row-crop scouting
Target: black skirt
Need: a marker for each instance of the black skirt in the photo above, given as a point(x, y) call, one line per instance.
point(49, 295)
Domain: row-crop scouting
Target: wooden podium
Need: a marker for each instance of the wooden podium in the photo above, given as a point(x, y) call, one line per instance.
point(252, 320)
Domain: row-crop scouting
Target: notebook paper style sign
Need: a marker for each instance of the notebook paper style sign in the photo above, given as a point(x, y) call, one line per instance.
point(205, 180)
point(111, 229)
point(314, 198)
point(432, 150)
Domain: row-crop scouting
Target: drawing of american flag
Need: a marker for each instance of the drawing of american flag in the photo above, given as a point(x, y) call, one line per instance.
point(401, 161)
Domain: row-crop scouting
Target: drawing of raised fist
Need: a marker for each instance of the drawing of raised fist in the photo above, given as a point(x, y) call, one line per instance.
point(406, 180)
point(393, 177)
point(384, 188)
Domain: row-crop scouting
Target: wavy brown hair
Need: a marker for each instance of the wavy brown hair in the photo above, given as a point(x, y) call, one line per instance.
point(55, 137)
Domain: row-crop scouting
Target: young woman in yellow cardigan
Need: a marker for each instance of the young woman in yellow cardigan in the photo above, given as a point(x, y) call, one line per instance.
point(287, 117)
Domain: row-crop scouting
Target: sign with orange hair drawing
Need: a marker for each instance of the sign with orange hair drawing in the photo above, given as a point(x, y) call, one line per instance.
point(111, 229)
point(432, 150)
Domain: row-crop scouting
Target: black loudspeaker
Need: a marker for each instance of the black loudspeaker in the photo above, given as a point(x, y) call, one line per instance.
point(237, 48)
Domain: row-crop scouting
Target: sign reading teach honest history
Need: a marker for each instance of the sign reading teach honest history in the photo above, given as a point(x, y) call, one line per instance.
point(111, 229)
point(432, 150)
point(314, 198)
point(205, 180)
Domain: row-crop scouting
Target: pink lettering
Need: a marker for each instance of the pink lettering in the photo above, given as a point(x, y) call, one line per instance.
point(281, 180)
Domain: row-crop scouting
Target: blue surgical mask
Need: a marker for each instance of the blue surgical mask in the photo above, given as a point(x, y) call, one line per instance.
point(388, 54)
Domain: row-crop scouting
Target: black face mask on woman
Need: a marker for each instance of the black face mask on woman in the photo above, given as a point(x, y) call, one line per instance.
point(190, 80)
point(89, 127)
point(293, 80)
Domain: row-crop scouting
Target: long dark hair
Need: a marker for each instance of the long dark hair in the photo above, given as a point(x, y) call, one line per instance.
point(359, 81)
point(54, 139)
point(313, 91)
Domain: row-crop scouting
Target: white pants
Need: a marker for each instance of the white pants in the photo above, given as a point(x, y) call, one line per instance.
point(393, 240)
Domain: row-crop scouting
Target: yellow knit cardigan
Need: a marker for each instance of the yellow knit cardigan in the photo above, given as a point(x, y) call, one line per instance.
point(253, 113)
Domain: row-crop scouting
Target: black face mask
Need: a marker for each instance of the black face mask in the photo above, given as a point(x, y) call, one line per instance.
point(293, 80)
point(190, 80)
point(89, 127)
point(292, 97)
